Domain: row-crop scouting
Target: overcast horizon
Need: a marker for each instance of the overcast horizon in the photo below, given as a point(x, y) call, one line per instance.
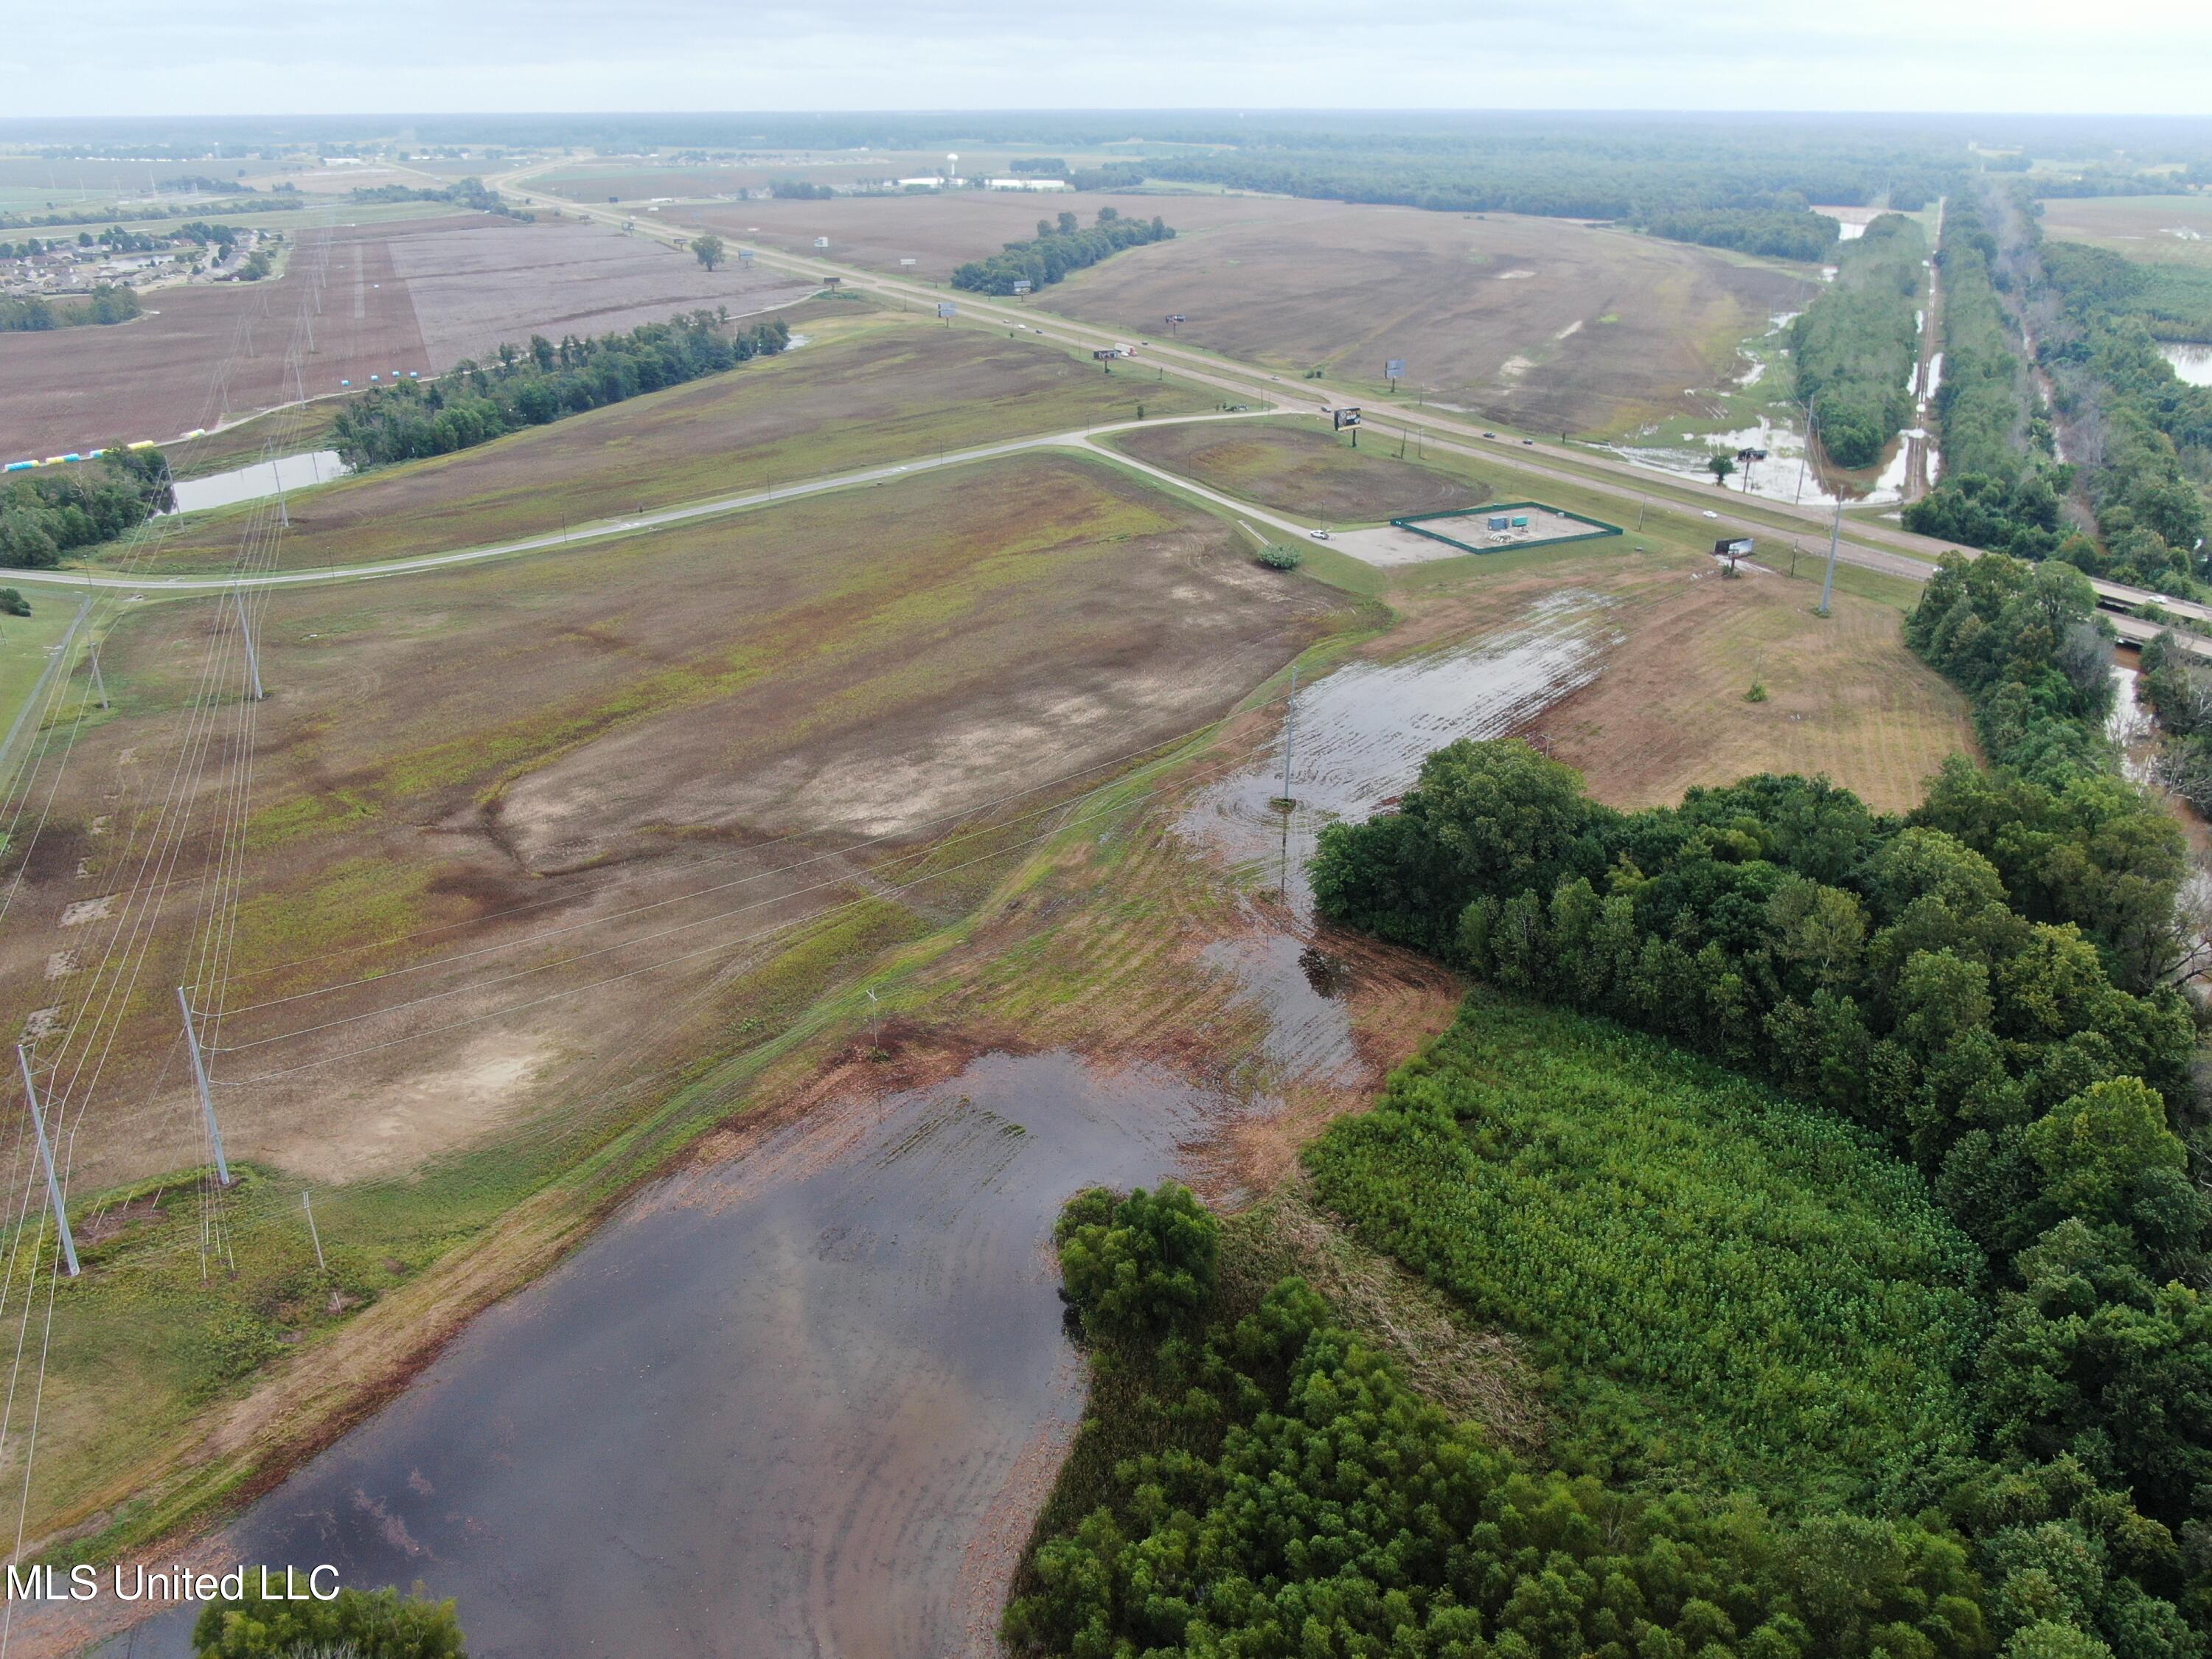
point(2141, 58)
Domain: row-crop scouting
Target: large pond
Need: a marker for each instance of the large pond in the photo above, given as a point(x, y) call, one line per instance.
point(260, 481)
point(803, 1402)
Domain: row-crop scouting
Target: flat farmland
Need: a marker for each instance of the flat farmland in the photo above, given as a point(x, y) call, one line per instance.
point(2165, 229)
point(871, 386)
point(539, 889)
point(1544, 324)
point(410, 295)
point(1301, 467)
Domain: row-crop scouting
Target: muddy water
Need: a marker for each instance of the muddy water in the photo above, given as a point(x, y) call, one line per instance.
point(1358, 738)
point(260, 481)
point(803, 1403)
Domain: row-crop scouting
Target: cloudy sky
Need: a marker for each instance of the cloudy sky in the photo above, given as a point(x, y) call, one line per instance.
point(244, 57)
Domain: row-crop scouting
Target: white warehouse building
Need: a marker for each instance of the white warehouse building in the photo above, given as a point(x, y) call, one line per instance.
point(1028, 184)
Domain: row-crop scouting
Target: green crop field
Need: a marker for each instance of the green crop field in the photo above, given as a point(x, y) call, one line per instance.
point(1736, 1290)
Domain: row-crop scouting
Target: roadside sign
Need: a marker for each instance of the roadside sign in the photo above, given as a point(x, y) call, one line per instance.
point(1394, 368)
point(945, 308)
point(1345, 417)
point(1022, 286)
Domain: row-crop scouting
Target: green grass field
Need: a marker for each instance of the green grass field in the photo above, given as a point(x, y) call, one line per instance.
point(1735, 1291)
point(26, 647)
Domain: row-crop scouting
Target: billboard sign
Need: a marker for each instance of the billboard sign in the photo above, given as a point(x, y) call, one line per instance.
point(945, 307)
point(1394, 368)
point(1022, 286)
point(1345, 417)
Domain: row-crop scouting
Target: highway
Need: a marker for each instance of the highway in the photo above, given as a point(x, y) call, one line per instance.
point(1873, 545)
point(1885, 549)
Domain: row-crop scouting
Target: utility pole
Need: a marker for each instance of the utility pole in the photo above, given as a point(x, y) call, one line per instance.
point(1835, 536)
point(321, 1266)
point(1290, 726)
point(245, 631)
point(47, 1157)
point(99, 684)
point(200, 1078)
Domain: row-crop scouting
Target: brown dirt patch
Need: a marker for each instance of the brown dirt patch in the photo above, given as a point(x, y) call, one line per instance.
point(714, 721)
point(1604, 332)
point(412, 295)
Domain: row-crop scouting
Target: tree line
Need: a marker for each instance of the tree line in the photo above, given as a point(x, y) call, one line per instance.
point(475, 402)
point(469, 192)
point(2001, 488)
point(49, 512)
point(1059, 247)
point(1854, 347)
point(33, 313)
point(2145, 433)
point(1777, 233)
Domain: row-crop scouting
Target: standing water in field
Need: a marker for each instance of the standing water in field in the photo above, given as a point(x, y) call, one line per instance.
point(804, 1401)
point(260, 481)
point(1357, 736)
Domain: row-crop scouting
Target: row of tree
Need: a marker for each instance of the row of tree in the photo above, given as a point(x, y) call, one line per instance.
point(47, 513)
point(1058, 248)
point(1854, 347)
point(469, 192)
point(2001, 488)
point(2144, 435)
point(1779, 233)
point(475, 402)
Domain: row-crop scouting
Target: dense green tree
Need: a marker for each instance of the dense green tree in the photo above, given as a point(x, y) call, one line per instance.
point(367, 1623)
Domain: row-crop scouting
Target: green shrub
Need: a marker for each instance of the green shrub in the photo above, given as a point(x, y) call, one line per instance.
point(372, 1624)
point(1280, 555)
point(1139, 1268)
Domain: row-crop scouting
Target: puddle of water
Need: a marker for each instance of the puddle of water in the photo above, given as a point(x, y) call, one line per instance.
point(1358, 738)
point(803, 1402)
point(1299, 987)
point(260, 481)
point(2192, 362)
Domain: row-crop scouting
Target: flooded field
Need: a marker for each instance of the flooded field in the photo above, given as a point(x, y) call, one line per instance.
point(1358, 738)
point(260, 481)
point(803, 1402)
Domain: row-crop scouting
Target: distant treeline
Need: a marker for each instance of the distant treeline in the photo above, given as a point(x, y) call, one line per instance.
point(1779, 233)
point(798, 190)
point(476, 403)
point(106, 215)
point(32, 313)
point(1854, 346)
point(469, 192)
point(1058, 248)
point(44, 515)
